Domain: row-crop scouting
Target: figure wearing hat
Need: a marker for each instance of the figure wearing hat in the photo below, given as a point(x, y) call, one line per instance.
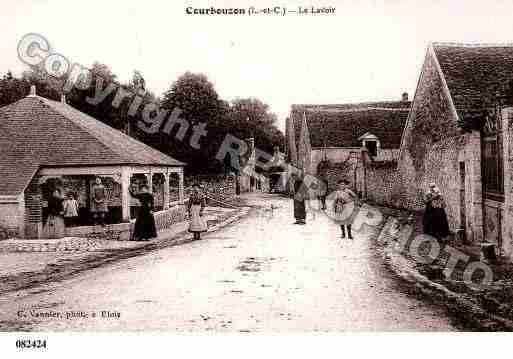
point(344, 207)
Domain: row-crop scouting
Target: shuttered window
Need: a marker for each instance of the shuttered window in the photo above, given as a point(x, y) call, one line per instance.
point(492, 159)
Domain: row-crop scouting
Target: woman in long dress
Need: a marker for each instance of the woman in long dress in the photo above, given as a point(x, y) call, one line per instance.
point(144, 228)
point(435, 221)
point(55, 221)
point(197, 204)
point(344, 207)
point(99, 206)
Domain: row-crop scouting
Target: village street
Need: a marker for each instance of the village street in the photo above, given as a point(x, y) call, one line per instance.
point(261, 274)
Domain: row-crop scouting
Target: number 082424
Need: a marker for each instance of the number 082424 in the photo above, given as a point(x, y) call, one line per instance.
point(30, 343)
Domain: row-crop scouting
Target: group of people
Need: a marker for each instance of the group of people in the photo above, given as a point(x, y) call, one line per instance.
point(345, 202)
point(64, 212)
point(145, 228)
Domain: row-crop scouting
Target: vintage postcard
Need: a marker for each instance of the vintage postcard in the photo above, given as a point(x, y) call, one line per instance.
point(255, 167)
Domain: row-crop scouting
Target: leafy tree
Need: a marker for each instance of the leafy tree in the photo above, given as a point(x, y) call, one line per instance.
point(191, 93)
point(252, 118)
point(196, 97)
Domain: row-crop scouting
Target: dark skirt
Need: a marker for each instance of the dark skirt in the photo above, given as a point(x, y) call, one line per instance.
point(299, 210)
point(144, 226)
point(435, 223)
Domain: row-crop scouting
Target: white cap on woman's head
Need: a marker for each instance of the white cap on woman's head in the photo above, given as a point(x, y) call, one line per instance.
point(432, 184)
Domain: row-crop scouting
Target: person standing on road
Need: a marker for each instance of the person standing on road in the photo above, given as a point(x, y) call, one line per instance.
point(299, 202)
point(435, 221)
point(344, 207)
point(197, 203)
point(323, 192)
point(144, 228)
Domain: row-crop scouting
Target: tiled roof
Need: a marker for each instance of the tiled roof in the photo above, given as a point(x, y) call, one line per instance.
point(37, 132)
point(342, 125)
point(475, 73)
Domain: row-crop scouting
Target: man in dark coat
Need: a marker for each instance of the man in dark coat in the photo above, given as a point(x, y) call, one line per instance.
point(299, 202)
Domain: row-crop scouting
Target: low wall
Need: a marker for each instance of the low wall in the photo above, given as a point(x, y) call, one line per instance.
point(10, 219)
point(122, 231)
point(219, 187)
point(166, 219)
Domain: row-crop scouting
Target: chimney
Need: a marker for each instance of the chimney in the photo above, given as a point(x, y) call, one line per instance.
point(63, 98)
point(405, 97)
point(32, 91)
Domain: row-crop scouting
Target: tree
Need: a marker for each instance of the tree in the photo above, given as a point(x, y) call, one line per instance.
point(13, 89)
point(251, 118)
point(100, 74)
point(195, 96)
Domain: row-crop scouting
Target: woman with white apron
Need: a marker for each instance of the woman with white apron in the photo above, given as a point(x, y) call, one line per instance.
point(345, 204)
point(197, 203)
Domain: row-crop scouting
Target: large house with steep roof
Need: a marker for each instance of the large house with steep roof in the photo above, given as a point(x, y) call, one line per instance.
point(335, 141)
point(46, 144)
point(458, 135)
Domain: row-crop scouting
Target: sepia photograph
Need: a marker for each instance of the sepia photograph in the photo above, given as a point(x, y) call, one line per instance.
point(227, 173)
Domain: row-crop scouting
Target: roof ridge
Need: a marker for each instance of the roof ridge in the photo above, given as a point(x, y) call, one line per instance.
point(55, 105)
point(391, 109)
point(472, 45)
point(51, 104)
point(350, 103)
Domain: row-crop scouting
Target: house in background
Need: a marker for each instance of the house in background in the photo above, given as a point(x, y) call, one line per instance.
point(343, 139)
point(277, 172)
point(250, 179)
point(46, 145)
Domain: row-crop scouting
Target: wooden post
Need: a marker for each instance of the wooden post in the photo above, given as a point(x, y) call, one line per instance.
point(125, 195)
point(149, 177)
point(181, 195)
point(166, 190)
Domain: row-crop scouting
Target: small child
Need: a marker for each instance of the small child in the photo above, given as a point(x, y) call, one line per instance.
point(70, 210)
point(344, 203)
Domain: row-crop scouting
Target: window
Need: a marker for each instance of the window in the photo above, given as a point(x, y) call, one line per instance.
point(492, 159)
point(372, 147)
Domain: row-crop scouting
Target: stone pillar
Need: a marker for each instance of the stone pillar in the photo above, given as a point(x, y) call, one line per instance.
point(125, 195)
point(476, 185)
point(181, 194)
point(21, 215)
point(33, 210)
point(149, 178)
point(507, 222)
point(166, 190)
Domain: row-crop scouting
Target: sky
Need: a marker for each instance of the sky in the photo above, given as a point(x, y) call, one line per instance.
point(366, 51)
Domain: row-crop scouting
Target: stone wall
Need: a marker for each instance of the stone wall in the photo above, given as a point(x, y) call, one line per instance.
point(33, 221)
point(166, 219)
point(380, 180)
point(11, 216)
point(433, 150)
point(218, 186)
point(441, 166)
